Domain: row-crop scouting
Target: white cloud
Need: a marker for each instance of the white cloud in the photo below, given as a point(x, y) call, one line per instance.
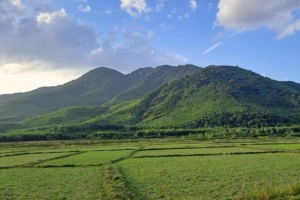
point(212, 48)
point(47, 37)
point(47, 17)
point(160, 4)
point(170, 16)
point(278, 15)
point(193, 4)
point(135, 7)
point(84, 8)
point(291, 29)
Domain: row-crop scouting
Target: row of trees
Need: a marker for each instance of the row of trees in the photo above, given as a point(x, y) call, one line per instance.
point(98, 131)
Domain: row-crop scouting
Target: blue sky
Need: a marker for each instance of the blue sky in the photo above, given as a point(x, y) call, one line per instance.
point(50, 42)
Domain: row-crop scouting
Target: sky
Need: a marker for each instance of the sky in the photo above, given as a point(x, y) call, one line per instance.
point(50, 42)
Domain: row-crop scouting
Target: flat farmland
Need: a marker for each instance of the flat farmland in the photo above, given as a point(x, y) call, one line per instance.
point(208, 177)
point(195, 151)
point(186, 145)
point(149, 169)
point(12, 160)
point(88, 158)
point(51, 183)
point(277, 146)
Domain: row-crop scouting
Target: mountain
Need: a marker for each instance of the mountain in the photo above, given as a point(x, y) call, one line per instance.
point(157, 77)
point(65, 116)
point(92, 89)
point(9, 97)
point(214, 96)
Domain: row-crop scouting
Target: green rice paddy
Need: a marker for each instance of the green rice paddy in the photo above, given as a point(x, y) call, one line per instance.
point(148, 169)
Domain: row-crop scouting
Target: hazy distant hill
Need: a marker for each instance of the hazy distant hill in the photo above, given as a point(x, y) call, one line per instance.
point(214, 96)
point(9, 97)
point(92, 89)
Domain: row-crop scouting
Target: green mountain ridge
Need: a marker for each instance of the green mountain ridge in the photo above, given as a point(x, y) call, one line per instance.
point(92, 89)
point(159, 76)
point(215, 96)
point(9, 97)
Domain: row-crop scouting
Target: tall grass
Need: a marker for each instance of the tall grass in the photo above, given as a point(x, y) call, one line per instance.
point(113, 185)
point(269, 192)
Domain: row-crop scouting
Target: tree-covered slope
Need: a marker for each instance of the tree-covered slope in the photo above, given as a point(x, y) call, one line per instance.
point(214, 96)
point(158, 76)
point(65, 116)
point(9, 97)
point(94, 88)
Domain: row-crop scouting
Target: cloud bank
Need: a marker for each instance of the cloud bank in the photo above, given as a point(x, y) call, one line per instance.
point(41, 38)
point(278, 15)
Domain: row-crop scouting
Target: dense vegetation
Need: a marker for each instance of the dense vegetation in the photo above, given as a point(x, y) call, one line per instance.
point(217, 101)
point(92, 89)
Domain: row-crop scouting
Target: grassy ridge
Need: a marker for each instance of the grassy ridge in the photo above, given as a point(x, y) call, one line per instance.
point(113, 185)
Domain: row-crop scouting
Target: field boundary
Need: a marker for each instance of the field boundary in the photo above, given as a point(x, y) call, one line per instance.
point(32, 164)
point(208, 147)
point(28, 153)
point(113, 184)
point(215, 154)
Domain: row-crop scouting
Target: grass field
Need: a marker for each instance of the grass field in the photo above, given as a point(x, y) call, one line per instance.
point(195, 151)
point(186, 145)
point(208, 177)
point(87, 158)
point(150, 169)
point(277, 146)
point(51, 183)
point(27, 159)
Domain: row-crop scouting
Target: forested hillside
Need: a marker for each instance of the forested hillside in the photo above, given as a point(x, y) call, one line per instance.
point(92, 89)
point(159, 76)
point(220, 100)
point(215, 96)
